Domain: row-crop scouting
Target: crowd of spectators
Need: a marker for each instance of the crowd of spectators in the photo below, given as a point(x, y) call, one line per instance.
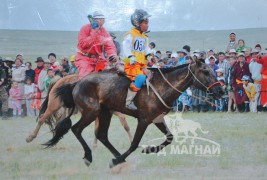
point(23, 88)
point(241, 70)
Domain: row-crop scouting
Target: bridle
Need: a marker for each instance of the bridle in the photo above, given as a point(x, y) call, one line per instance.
point(207, 88)
point(195, 78)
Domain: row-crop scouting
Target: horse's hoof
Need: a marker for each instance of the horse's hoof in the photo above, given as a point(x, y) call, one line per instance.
point(87, 163)
point(112, 164)
point(115, 162)
point(29, 138)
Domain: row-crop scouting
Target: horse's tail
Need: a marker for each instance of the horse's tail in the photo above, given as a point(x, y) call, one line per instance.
point(65, 95)
point(60, 130)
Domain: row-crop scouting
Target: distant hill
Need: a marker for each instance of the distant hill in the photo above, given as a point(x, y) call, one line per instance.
point(39, 43)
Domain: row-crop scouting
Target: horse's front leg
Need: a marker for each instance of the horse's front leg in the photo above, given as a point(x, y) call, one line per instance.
point(140, 130)
point(169, 137)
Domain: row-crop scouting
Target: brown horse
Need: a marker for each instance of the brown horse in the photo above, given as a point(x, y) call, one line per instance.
point(99, 94)
point(51, 106)
point(52, 111)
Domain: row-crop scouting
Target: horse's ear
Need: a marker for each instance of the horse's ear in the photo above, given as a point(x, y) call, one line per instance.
point(198, 62)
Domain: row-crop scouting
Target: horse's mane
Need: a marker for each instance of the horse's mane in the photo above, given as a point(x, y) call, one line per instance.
point(163, 70)
point(167, 70)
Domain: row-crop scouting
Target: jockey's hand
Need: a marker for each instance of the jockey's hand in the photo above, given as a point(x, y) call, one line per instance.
point(120, 70)
point(113, 58)
point(146, 72)
point(132, 60)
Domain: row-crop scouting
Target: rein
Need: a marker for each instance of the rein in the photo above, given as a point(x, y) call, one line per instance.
point(197, 97)
point(207, 88)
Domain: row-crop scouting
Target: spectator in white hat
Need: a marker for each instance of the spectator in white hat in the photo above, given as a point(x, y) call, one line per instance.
point(255, 70)
point(210, 53)
point(220, 74)
point(174, 59)
point(212, 65)
point(232, 52)
point(251, 92)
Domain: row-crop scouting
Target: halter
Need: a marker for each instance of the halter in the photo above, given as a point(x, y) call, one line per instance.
point(190, 71)
point(207, 88)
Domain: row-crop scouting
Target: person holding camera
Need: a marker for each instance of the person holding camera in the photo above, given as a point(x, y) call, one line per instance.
point(93, 41)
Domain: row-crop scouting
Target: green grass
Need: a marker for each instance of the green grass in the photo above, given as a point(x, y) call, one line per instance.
point(242, 138)
point(39, 43)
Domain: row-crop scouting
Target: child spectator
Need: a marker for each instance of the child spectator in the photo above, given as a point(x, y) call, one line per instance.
point(220, 74)
point(29, 88)
point(29, 71)
point(50, 75)
point(152, 46)
point(36, 101)
point(241, 46)
point(222, 104)
point(251, 93)
point(16, 102)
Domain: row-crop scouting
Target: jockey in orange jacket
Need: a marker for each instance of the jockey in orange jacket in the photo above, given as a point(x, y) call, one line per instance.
point(93, 40)
point(135, 48)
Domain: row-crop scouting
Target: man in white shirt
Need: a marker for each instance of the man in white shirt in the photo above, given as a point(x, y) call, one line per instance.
point(255, 70)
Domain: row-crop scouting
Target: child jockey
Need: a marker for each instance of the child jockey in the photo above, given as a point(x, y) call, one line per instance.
point(135, 48)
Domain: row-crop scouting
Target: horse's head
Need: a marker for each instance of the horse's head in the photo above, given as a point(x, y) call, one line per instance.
point(204, 79)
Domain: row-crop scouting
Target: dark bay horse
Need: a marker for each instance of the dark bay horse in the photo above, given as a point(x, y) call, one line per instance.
point(99, 94)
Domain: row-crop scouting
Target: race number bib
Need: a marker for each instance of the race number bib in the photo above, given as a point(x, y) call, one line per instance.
point(139, 44)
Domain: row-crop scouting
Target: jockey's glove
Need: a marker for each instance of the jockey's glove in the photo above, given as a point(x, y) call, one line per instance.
point(132, 60)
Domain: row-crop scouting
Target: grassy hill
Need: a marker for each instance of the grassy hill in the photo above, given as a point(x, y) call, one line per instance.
point(39, 43)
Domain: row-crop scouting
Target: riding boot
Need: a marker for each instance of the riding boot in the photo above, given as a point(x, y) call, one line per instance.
point(129, 103)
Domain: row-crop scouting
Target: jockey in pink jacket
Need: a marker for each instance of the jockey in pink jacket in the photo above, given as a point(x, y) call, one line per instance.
point(93, 39)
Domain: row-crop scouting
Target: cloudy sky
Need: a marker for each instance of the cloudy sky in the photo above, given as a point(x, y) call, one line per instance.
point(167, 15)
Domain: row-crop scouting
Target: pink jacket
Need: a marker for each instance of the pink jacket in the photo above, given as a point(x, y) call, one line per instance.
point(15, 93)
point(93, 41)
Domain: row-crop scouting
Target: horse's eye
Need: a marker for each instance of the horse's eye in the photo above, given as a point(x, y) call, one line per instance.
point(205, 71)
